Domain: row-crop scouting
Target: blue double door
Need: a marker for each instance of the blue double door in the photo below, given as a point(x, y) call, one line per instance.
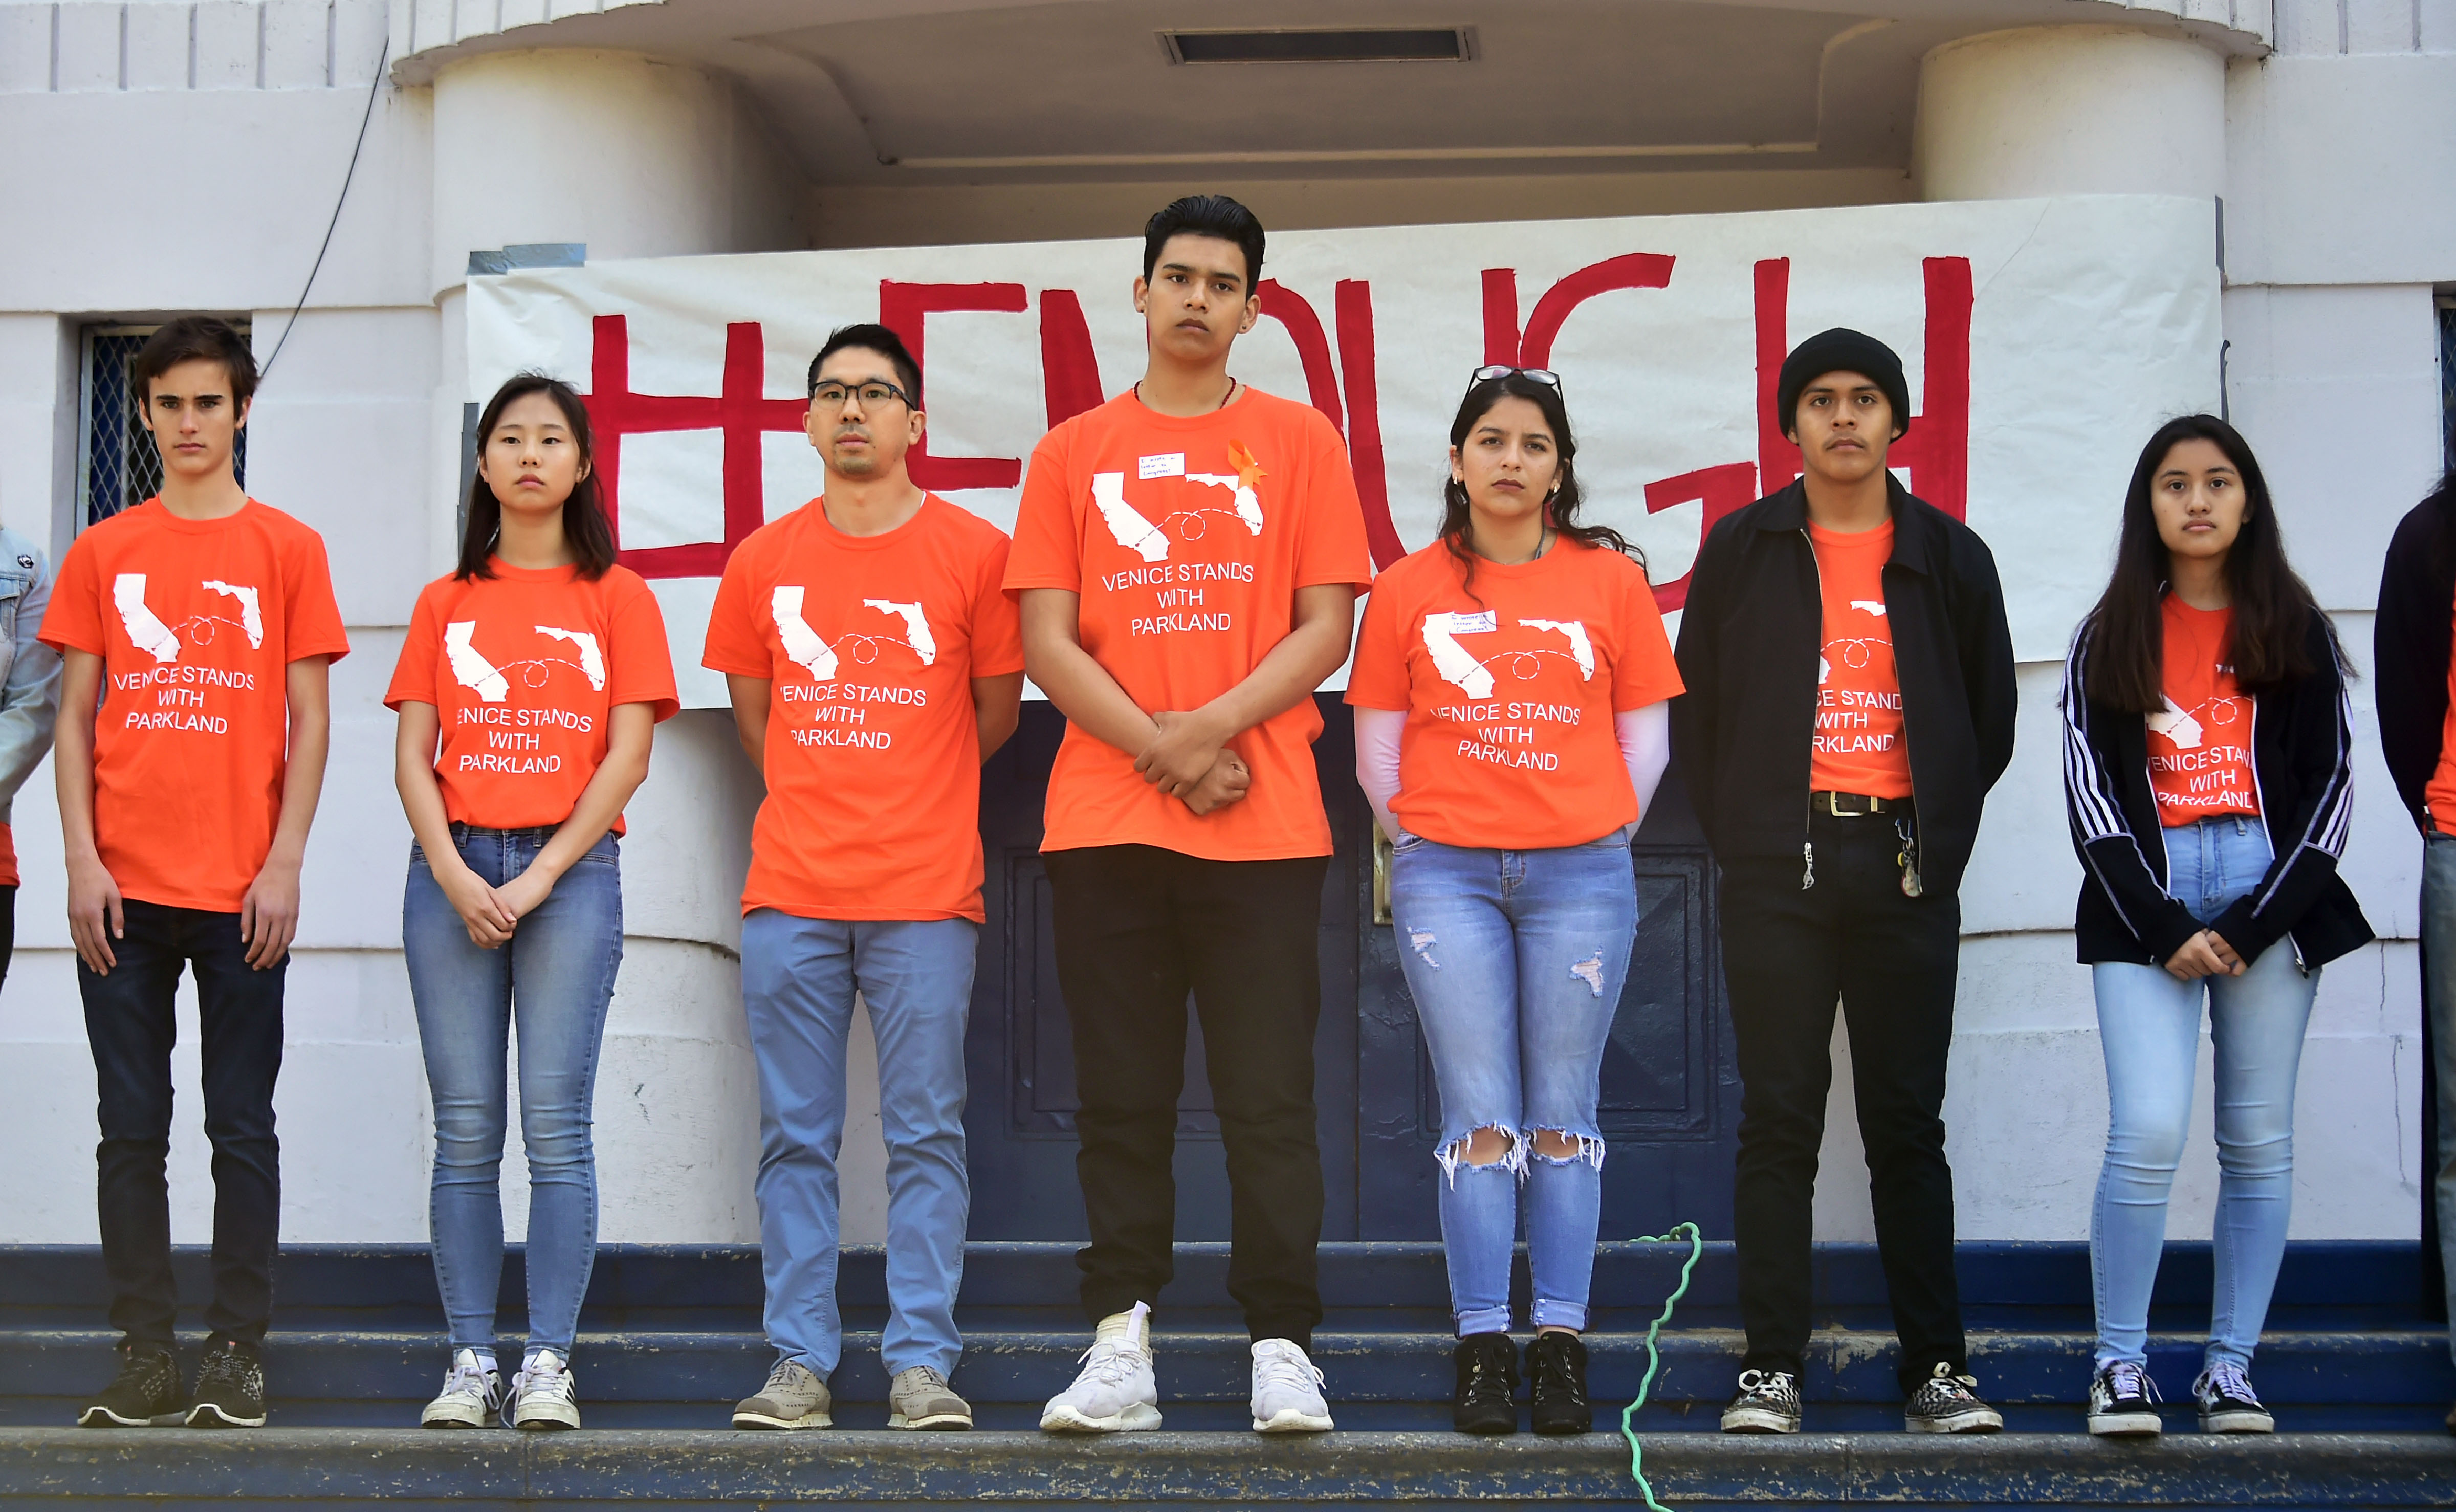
point(1670, 1090)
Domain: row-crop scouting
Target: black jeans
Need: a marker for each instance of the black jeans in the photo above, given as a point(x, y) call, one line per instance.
point(130, 1024)
point(1138, 928)
point(8, 927)
point(1788, 953)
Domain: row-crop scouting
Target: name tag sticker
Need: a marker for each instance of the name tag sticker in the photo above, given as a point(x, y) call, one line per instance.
point(1171, 464)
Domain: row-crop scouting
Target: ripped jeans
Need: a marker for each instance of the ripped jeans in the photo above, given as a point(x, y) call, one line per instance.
point(1516, 960)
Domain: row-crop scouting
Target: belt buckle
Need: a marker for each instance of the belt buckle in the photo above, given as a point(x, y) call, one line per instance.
point(1833, 806)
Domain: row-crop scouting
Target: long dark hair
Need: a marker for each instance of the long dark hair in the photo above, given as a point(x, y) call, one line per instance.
point(2269, 644)
point(1458, 515)
point(585, 526)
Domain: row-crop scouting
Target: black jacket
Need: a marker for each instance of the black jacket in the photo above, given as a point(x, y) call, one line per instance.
point(2409, 645)
point(1749, 639)
point(2301, 764)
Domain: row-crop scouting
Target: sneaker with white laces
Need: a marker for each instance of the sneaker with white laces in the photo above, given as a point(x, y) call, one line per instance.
point(920, 1398)
point(543, 1395)
point(1768, 1401)
point(1947, 1402)
point(1287, 1390)
point(794, 1398)
point(2122, 1400)
point(1114, 1391)
point(2227, 1402)
point(472, 1393)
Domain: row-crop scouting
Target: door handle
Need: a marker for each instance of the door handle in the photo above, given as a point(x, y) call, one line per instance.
point(1382, 857)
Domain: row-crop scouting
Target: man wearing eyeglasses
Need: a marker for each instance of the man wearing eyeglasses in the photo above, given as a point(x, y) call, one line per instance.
point(874, 661)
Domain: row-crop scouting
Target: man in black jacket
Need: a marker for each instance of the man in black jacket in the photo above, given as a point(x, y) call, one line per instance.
point(2410, 643)
point(1850, 702)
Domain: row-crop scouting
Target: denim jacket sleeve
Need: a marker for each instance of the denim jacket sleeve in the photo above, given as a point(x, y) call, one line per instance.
point(30, 695)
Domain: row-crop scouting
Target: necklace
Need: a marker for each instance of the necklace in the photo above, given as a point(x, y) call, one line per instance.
point(1214, 409)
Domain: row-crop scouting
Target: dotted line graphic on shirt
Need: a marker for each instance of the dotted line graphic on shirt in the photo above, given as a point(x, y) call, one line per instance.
point(2186, 728)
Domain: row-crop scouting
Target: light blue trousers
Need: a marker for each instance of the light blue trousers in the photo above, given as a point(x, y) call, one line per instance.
point(798, 980)
point(2149, 1025)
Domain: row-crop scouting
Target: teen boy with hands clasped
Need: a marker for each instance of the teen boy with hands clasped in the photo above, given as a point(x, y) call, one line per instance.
point(873, 661)
point(1850, 702)
point(197, 630)
point(1187, 557)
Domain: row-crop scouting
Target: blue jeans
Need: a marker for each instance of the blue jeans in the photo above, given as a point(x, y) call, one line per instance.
point(798, 980)
point(2149, 1025)
point(2439, 1002)
point(1516, 960)
point(554, 979)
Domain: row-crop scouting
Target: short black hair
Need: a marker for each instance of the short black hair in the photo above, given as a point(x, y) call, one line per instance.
point(1206, 216)
point(193, 338)
point(872, 337)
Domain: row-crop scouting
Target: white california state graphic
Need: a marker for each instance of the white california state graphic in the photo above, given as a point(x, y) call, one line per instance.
point(472, 670)
point(802, 644)
point(916, 627)
point(2178, 727)
point(1456, 665)
point(161, 641)
point(1126, 523)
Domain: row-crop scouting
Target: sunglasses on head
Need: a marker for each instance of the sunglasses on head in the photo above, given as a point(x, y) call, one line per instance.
point(1532, 374)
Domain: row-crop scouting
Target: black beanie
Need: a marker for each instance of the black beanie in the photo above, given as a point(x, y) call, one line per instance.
point(1840, 350)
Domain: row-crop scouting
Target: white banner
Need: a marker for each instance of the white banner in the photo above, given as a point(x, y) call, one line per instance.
point(2043, 340)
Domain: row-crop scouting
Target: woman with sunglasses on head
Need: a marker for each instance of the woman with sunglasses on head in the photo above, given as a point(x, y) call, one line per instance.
point(1510, 687)
point(528, 689)
point(2207, 773)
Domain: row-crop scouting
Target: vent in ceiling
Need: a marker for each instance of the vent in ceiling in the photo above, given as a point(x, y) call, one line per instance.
point(1302, 44)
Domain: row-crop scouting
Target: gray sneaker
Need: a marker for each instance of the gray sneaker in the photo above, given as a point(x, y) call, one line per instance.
point(920, 1398)
point(792, 1398)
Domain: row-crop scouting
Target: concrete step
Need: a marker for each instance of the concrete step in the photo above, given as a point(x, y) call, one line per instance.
point(172, 1469)
point(1387, 1379)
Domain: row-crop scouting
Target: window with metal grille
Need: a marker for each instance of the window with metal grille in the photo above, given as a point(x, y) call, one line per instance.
point(118, 466)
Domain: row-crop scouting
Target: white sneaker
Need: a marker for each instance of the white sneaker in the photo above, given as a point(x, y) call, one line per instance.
point(1114, 1391)
point(472, 1393)
point(543, 1394)
point(1287, 1390)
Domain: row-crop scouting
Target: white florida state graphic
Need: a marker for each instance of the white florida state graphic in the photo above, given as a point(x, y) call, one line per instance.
point(182, 686)
point(855, 674)
point(1170, 507)
point(1512, 731)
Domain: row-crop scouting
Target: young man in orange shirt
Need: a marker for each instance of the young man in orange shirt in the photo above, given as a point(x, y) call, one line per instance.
point(1850, 702)
point(203, 624)
point(874, 663)
point(1187, 557)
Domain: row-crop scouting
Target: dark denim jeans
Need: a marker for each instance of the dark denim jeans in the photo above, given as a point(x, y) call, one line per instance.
point(130, 1024)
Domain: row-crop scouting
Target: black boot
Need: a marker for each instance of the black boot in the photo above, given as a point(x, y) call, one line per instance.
point(1487, 1386)
point(1556, 1372)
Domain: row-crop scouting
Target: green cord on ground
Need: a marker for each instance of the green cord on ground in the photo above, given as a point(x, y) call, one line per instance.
point(1653, 1357)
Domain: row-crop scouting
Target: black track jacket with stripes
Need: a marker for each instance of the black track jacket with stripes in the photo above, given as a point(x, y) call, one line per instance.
point(2409, 647)
point(2302, 766)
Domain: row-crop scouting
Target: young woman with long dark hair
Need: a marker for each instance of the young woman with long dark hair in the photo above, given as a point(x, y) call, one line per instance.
point(1511, 689)
point(2207, 770)
point(528, 691)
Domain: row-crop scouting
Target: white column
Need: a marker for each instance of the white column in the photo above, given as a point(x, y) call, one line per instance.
point(635, 157)
point(2070, 110)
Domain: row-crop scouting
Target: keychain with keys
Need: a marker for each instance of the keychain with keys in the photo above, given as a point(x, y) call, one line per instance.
point(1909, 860)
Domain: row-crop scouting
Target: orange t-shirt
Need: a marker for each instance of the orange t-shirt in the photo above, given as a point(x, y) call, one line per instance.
point(524, 669)
point(7, 857)
point(2200, 744)
point(1187, 539)
point(873, 752)
point(1509, 689)
point(196, 622)
point(2440, 796)
point(1858, 744)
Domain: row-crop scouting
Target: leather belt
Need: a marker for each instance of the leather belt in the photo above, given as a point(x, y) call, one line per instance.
point(1854, 806)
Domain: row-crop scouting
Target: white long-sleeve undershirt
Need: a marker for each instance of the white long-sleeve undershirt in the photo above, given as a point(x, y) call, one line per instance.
point(1645, 735)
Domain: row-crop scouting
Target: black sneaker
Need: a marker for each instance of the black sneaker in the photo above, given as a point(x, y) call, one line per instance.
point(2227, 1402)
point(146, 1395)
point(1487, 1400)
point(1949, 1403)
point(1768, 1401)
point(230, 1387)
point(1556, 1376)
point(2122, 1400)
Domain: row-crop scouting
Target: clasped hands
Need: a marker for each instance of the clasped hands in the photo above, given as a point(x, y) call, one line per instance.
point(1187, 758)
point(2204, 954)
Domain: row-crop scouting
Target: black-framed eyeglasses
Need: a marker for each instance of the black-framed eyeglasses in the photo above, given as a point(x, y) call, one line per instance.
point(1532, 374)
point(872, 393)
